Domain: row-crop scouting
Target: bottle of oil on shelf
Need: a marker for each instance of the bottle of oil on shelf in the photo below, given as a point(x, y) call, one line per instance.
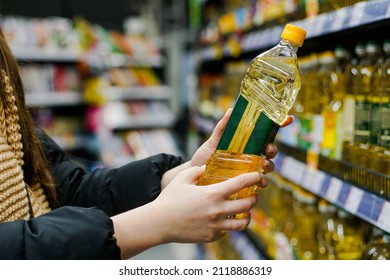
point(384, 135)
point(267, 93)
point(378, 104)
point(332, 80)
point(309, 105)
point(378, 247)
point(305, 215)
point(349, 243)
point(363, 96)
point(325, 229)
point(352, 85)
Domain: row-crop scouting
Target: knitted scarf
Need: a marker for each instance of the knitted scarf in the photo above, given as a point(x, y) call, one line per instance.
point(18, 201)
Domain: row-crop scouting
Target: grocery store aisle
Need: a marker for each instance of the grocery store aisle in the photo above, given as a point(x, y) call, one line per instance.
point(171, 251)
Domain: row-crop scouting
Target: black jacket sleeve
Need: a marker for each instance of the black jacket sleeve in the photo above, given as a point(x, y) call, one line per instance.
point(81, 227)
point(64, 233)
point(112, 190)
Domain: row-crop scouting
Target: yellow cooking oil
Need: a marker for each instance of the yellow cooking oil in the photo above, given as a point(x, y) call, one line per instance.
point(349, 243)
point(325, 230)
point(378, 246)
point(363, 100)
point(305, 216)
point(268, 91)
point(352, 85)
point(332, 85)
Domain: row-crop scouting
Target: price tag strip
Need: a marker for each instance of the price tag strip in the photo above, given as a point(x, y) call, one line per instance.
point(384, 217)
point(244, 246)
point(360, 14)
point(353, 199)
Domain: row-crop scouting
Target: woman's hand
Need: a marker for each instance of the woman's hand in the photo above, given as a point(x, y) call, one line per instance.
point(186, 213)
point(200, 214)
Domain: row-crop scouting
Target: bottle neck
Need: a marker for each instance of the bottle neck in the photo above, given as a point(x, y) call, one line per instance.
point(288, 44)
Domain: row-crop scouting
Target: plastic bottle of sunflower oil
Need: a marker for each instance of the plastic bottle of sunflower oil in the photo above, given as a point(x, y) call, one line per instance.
point(378, 247)
point(267, 93)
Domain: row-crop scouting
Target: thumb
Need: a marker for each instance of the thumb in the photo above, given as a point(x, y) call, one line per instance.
point(219, 128)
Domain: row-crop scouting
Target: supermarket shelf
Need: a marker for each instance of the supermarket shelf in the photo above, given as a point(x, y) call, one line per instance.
point(110, 61)
point(116, 117)
point(45, 55)
point(245, 246)
point(142, 121)
point(359, 202)
point(54, 99)
point(120, 60)
point(358, 15)
point(138, 93)
point(204, 125)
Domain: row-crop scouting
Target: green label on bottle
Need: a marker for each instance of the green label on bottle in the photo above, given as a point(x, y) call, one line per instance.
point(304, 133)
point(248, 130)
point(264, 133)
point(375, 124)
point(362, 120)
point(384, 138)
point(231, 126)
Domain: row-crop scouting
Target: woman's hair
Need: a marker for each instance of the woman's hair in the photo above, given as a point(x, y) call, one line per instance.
point(36, 168)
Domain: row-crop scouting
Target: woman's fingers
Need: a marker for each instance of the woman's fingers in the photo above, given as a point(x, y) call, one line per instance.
point(241, 205)
point(271, 150)
point(268, 166)
point(190, 175)
point(232, 224)
point(239, 182)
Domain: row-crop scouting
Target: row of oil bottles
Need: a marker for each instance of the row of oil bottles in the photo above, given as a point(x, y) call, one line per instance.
point(290, 223)
point(309, 227)
point(343, 106)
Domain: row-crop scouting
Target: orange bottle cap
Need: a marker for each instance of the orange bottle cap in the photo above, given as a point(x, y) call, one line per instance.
point(294, 34)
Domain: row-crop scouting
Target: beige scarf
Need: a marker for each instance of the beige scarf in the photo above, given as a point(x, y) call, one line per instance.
point(17, 200)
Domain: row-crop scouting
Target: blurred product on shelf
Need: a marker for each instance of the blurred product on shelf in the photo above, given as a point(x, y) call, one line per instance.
point(73, 63)
point(49, 35)
point(333, 189)
point(104, 49)
point(50, 78)
point(291, 223)
point(313, 228)
point(353, 102)
point(67, 130)
point(378, 247)
point(120, 148)
point(224, 19)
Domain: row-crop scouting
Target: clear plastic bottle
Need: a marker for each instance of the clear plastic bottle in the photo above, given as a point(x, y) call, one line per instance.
point(384, 137)
point(267, 93)
point(305, 215)
point(363, 150)
point(363, 96)
point(349, 243)
point(378, 105)
point(332, 80)
point(378, 247)
point(310, 104)
point(352, 85)
point(325, 229)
